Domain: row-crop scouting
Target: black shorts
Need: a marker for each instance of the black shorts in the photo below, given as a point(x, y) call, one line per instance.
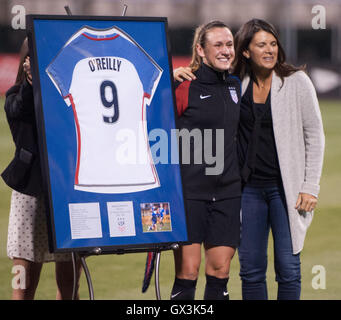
point(215, 223)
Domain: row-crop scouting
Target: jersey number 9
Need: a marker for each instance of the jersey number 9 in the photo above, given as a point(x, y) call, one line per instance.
point(108, 104)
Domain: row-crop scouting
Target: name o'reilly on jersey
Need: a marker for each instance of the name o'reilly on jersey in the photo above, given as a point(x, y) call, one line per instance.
point(105, 63)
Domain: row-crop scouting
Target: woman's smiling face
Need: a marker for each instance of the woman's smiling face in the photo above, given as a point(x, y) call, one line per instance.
point(262, 50)
point(218, 52)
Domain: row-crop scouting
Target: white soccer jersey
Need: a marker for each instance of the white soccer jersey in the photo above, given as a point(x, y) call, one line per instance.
point(108, 79)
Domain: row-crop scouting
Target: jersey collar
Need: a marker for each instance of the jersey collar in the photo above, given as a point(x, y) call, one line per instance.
point(206, 74)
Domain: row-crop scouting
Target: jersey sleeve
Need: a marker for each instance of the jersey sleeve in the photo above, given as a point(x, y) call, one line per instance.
point(60, 70)
point(148, 70)
point(181, 95)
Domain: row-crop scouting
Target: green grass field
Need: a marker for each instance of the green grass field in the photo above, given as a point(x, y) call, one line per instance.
point(120, 276)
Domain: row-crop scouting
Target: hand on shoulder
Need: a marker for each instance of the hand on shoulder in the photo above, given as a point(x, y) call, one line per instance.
point(183, 73)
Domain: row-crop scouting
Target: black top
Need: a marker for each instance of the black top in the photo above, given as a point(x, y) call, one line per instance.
point(208, 104)
point(256, 145)
point(23, 174)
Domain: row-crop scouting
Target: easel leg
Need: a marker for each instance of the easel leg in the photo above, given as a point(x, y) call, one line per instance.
point(88, 278)
point(157, 269)
point(75, 276)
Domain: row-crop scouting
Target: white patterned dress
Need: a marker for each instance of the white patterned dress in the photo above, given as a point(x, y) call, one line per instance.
point(27, 230)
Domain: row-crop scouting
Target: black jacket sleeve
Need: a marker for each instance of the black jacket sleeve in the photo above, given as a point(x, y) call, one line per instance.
point(23, 174)
point(19, 101)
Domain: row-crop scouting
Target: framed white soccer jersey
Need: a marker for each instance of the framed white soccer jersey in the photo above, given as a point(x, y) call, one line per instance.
point(105, 111)
point(108, 79)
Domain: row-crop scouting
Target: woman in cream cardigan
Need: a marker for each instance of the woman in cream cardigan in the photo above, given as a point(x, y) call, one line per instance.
point(281, 147)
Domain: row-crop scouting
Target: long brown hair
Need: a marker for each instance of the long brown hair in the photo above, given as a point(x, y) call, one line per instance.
point(200, 38)
point(24, 52)
point(242, 65)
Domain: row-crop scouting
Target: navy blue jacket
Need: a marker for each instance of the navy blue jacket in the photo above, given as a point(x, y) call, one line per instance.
point(212, 101)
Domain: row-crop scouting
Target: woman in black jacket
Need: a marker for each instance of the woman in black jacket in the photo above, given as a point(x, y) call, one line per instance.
point(27, 243)
point(208, 109)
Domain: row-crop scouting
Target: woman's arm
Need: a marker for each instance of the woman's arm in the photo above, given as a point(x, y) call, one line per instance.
point(19, 101)
point(314, 141)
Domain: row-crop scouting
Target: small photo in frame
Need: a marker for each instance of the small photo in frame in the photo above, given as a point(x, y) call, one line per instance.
point(156, 217)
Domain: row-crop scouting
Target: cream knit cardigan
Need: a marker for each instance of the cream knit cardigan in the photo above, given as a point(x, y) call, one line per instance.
point(300, 141)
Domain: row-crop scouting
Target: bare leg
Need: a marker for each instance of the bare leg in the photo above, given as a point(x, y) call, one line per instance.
point(27, 278)
point(187, 261)
point(218, 260)
point(64, 278)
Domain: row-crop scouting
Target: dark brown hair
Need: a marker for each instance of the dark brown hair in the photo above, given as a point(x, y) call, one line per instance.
point(242, 65)
point(200, 36)
point(24, 52)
